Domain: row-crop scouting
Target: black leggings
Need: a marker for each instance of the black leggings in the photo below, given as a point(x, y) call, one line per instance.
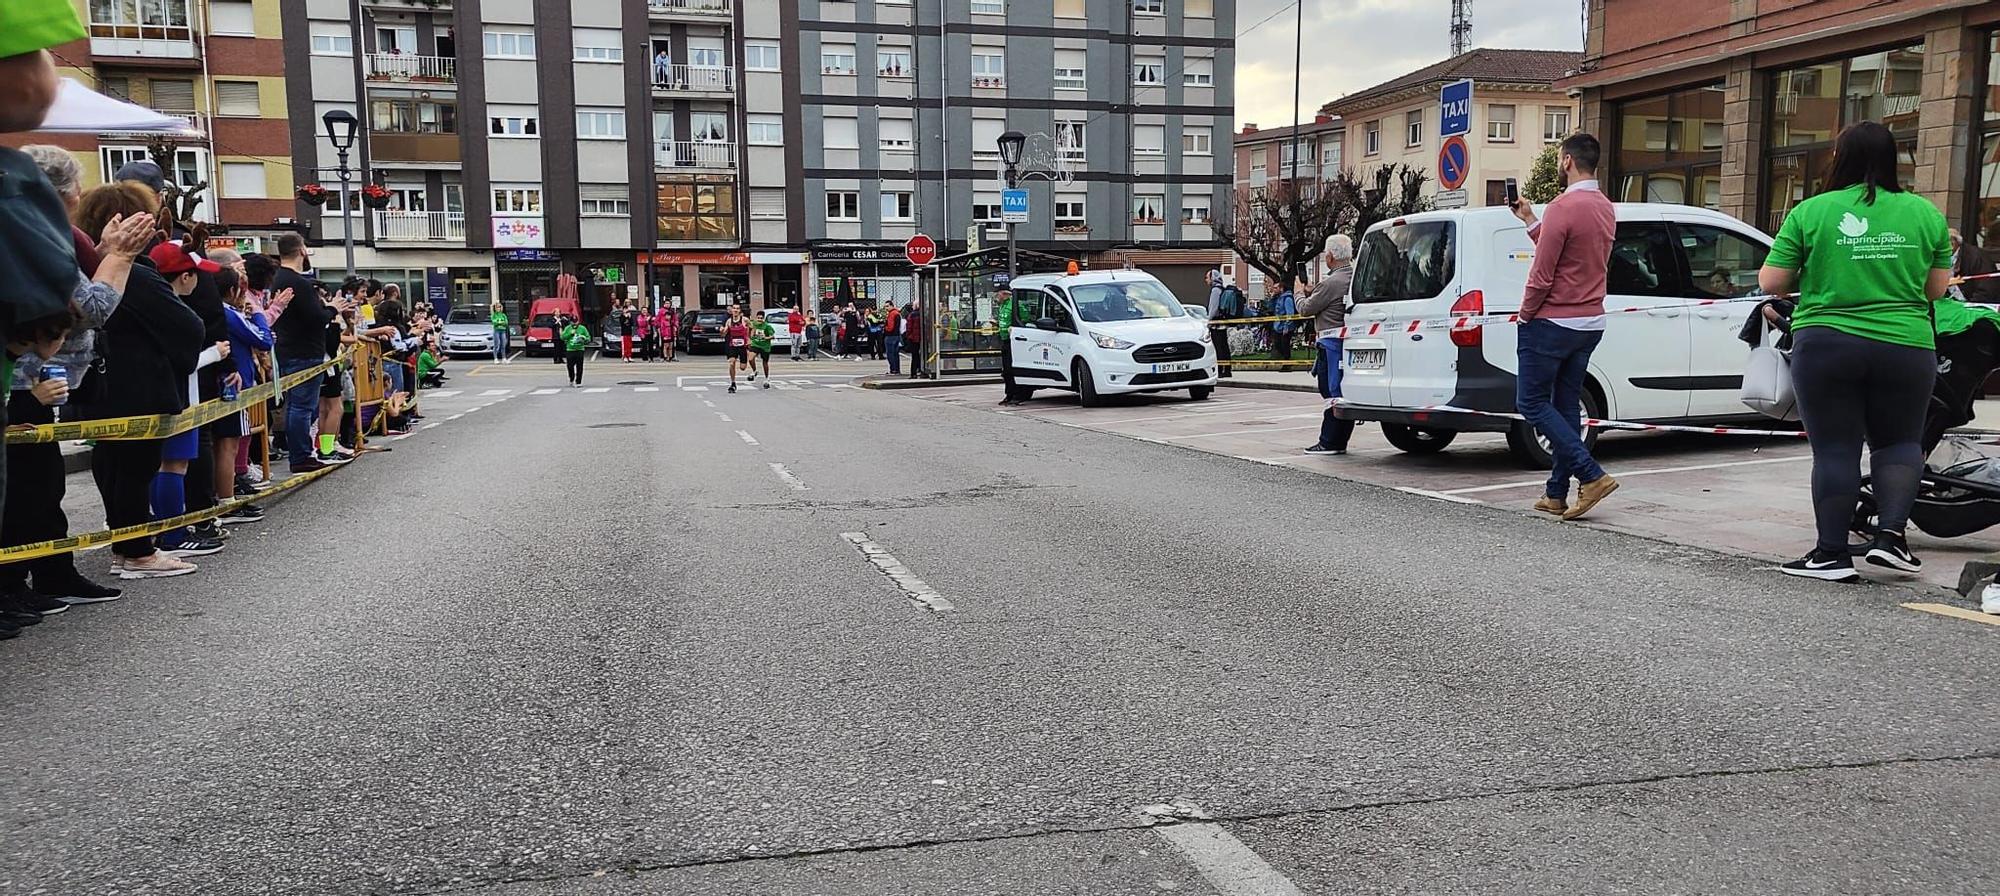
point(124, 469)
point(1850, 390)
point(575, 359)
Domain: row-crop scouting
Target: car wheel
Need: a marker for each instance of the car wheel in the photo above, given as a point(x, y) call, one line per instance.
point(1531, 448)
point(1418, 439)
point(1086, 385)
point(1200, 393)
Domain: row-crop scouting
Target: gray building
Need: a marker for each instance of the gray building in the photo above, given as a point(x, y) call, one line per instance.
point(711, 151)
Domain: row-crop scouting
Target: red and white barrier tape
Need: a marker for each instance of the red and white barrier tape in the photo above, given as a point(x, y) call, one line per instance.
point(1592, 422)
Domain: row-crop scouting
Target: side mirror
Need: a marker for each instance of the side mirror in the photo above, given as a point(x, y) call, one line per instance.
point(1047, 323)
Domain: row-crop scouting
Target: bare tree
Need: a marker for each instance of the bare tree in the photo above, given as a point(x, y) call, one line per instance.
point(1385, 192)
point(1280, 228)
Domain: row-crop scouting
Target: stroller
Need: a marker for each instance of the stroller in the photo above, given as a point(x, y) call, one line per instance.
point(1960, 490)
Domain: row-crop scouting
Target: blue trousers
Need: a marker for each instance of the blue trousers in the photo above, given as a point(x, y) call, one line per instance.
point(301, 409)
point(1548, 390)
point(893, 344)
point(1333, 431)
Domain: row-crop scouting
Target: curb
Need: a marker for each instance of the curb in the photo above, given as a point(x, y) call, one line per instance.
point(1273, 387)
point(891, 385)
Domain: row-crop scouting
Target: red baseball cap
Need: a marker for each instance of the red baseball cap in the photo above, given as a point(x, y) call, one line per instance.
point(172, 260)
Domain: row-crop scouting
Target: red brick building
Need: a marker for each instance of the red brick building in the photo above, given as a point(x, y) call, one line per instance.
point(1269, 157)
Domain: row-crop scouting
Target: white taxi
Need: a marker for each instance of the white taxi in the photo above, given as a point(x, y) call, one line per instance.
point(1107, 333)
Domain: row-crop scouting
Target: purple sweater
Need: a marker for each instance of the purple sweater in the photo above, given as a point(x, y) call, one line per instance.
point(1572, 250)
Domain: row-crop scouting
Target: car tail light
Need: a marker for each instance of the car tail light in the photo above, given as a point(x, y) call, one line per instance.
point(1471, 304)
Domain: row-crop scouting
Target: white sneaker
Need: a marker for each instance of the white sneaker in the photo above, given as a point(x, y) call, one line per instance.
point(1989, 600)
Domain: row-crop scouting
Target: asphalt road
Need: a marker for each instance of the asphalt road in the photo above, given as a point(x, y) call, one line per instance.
point(600, 644)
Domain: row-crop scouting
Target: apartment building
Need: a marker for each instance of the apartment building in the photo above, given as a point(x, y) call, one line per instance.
point(1276, 159)
point(220, 65)
point(1516, 111)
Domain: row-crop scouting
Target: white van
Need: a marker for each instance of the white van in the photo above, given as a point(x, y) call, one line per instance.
point(1107, 333)
point(1671, 364)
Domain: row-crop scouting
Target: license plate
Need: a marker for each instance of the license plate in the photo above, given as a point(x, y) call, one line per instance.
point(1172, 368)
point(1367, 358)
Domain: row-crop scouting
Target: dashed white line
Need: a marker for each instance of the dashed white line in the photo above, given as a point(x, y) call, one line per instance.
point(545, 392)
point(747, 438)
point(443, 393)
point(492, 392)
point(707, 402)
point(912, 586)
point(432, 425)
point(725, 417)
point(790, 478)
point(1225, 862)
point(647, 389)
point(694, 388)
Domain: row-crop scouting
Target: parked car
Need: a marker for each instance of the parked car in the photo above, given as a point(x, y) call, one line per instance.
point(1107, 333)
point(780, 320)
point(1667, 364)
point(468, 331)
point(701, 329)
point(609, 340)
point(540, 334)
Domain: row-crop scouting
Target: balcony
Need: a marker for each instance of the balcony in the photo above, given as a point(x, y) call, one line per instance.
point(696, 9)
point(694, 155)
point(164, 43)
point(694, 80)
point(405, 68)
point(405, 146)
point(393, 226)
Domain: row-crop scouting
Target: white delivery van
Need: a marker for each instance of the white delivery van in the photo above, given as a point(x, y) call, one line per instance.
point(1667, 364)
point(1107, 333)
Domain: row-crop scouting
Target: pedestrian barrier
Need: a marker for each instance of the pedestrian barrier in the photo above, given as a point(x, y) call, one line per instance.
point(1591, 422)
point(160, 426)
point(91, 540)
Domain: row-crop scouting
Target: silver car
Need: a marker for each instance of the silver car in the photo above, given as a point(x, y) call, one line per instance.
point(468, 331)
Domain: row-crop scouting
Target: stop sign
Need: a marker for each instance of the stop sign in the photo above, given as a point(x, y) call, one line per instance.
point(920, 250)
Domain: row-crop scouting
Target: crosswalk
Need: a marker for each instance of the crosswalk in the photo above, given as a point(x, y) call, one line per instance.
point(687, 384)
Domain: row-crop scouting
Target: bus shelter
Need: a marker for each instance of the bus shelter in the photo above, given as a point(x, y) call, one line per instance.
point(959, 295)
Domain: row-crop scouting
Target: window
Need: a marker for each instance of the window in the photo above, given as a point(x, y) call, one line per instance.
point(893, 62)
point(707, 52)
point(1150, 71)
point(1069, 215)
point(1149, 208)
point(767, 204)
point(708, 127)
point(841, 132)
point(986, 208)
point(986, 137)
point(1069, 70)
point(1809, 106)
point(235, 17)
point(604, 206)
point(512, 121)
point(1194, 209)
point(697, 209)
point(408, 115)
point(1723, 264)
point(1413, 128)
point(598, 45)
point(510, 45)
point(1397, 264)
point(190, 165)
point(1371, 138)
point(1069, 9)
point(1149, 7)
point(990, 7)
point(1499, 124)
point(896, 134)
point(1149, 140)
point(1643, 261)
point(843, 205)
point(760, 57)
point(1555, 125)
point(1197, 142)
point(1199, 72)
point(1657, 155)
point(1329, 156)
point(517, 200)
point(989, 67)
point(1070, 140)
point(173, 95)
point(243, 180)
point(1198, 9)
point(766, 130)
point(836, 59)
point(238, 98)
point(896, 206)
point(151, 19)
point(600, 124)
point(332, 39)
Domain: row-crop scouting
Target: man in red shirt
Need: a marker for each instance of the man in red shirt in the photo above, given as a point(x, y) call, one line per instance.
point(892, 339)
point(796, 325)
point(1562, 320)
point(736, 343)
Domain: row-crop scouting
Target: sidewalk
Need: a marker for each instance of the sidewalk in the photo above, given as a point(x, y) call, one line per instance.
point(1282, 380)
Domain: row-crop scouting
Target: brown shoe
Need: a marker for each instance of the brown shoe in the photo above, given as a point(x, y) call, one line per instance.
point(1589, 494)
point(1552, 506)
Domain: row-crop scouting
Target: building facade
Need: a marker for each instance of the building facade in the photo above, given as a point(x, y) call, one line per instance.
point(1270, 159)
point(1734, 104)
point(716, 151)
point(1516, 111)
point(220, 65)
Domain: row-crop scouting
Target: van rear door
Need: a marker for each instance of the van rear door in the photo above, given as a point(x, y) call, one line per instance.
point(1404, 271)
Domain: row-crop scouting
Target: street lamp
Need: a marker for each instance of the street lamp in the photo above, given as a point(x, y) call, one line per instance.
point(341, 129)
point(1011, 144)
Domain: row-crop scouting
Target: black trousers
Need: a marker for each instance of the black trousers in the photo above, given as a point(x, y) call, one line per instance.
point(124, 470)
point(1222, 357)
point(201, 473)
point(33, 507)
point(1007, 366)
point(575, 359)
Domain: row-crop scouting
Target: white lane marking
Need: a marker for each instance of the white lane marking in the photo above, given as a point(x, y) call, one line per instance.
point(545, 392)
point(600, 390)
point(790, 478)
point(784, 387)
point(912, 586)
point(842, 386)
point(725, 417)
point(1225, 862)
point(647, 389)
point(1238, 432)
point(442, 393)
point(707, 402)
point(472, 409)
point(1442, 496)
point(747, 438)
point(1626, 474)
point(432, 425)
point(492, 392)
point(510, 358)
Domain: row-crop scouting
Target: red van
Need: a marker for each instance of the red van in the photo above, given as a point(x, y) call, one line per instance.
point(540, 331)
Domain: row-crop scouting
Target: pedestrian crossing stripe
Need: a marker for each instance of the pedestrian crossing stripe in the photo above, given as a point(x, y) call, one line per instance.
point(545, 392)
point(503, 394)
point(443, 393)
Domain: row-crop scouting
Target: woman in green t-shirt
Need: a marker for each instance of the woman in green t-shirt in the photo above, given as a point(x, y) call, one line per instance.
point(1868, 260)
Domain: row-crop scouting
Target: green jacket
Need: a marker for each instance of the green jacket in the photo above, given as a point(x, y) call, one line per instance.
point(576, 337)
point(1003, 315)
point(499, 320)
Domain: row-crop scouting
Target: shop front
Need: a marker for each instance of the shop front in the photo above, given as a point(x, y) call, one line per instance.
point(777, 278)
point(526, 275)
point(690, 280)
point(869, 275)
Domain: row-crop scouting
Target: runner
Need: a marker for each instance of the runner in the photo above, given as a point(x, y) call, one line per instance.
point(576, 340)
point(761, 332)
point(736, 339)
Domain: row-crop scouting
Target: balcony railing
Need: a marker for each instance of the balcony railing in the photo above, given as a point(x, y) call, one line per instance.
point(689, 7)
point(405, 67)
point(694, 154)
point(989, 81)
point(694, 78)
point(393, 226)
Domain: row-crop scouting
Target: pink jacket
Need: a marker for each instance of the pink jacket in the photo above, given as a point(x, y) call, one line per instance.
point(667, 323)
point(1572, 250)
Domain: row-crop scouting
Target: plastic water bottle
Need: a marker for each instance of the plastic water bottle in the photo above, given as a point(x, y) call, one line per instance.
point(57, 372)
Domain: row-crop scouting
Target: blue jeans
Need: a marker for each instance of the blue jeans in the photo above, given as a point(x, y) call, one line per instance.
point(301, 408)
point(893, 344)
point(1333, 431)
point(1549, 392)
point(499, 344)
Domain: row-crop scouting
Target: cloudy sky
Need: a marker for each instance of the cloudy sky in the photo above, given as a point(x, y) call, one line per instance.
point(1353, 44)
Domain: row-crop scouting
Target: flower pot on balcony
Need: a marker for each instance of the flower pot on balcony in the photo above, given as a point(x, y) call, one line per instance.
point(312, 195)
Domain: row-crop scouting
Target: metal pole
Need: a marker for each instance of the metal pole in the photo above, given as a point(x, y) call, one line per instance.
point(1013, 183)
point(347, 205)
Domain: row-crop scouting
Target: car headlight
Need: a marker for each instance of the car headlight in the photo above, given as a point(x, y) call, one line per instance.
point(1111, 342)
point(1206, 336)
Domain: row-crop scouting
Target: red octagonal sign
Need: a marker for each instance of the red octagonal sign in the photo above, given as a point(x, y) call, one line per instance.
point(921, 250)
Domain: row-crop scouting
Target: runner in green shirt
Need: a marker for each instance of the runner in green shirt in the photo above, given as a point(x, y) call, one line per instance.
point(576, 340)
point(760, 348)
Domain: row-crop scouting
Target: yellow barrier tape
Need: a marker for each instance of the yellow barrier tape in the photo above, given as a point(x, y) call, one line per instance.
point(92, 540)
point(1302, 365)
point(160, 426)
point(1239, 321)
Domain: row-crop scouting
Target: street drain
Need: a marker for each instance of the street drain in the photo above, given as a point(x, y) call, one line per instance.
point(635, 382)
point(613, 425)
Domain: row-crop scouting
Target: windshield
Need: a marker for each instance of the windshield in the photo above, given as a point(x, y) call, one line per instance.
point(1100, 303)
point(467, 316)
point(543, 320)
point(1411, 261)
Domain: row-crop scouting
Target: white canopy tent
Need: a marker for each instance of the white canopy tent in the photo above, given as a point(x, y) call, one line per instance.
point(80, 110)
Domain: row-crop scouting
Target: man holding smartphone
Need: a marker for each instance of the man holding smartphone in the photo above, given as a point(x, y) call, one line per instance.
point(1562, 321)
point(299, 339)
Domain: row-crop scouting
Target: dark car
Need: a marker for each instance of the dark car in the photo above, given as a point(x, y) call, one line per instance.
point(702, 329)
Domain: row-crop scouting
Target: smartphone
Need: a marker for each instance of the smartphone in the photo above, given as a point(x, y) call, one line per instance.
point(1513, 192)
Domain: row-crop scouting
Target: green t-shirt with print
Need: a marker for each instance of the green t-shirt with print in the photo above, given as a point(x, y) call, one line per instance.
point(30, 25)
point(1863, 268)
point(760, 335)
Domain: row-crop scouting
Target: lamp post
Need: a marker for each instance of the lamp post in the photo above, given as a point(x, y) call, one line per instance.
point(341, 130)
point(1010, 155)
